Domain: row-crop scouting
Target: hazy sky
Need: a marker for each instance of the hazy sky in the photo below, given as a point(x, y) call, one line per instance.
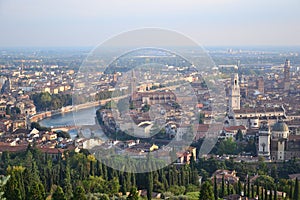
point(89, 22)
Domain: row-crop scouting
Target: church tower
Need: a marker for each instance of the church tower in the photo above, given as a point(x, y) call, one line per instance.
point(264, 140)
point(234, 93)
point(133, 91)
point(286, 84)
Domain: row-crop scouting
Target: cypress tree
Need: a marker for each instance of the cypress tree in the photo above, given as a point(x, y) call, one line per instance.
point(222, 194)
point(58, 194)
point(245, 189)
point(266, 192)
point(275, 193)
point(296, 190)
point(215, 188)
point(79, 194)
point(206, 192)
point(248, 187)
point(291, 191)
point(228, 188)
point(149, 185)
point(67, 186)
point(239, 187)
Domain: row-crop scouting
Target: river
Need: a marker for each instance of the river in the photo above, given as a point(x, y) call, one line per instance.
point(80, 117)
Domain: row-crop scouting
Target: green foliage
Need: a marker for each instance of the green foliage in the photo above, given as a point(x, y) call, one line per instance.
point(201, 118)
point(133, 195)
point(193, 195)
point(37, 126)
point(3, 181)
point(79, 194)
point(58, 194)
point(63, 134)
point(206, 192)
point(145, 108)
point(228, 147)
point(239, 135)
point(46, 101)
point(296, 195)
point(177, 190)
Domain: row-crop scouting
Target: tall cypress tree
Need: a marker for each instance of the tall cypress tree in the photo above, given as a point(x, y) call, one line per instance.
point(275, 193)
point(67, 186)
point(266, 192)
point(58, 194)
point(296, 190)
point(215, 188)
point(79, 194)
point(239, 187)
point(291, 191)
point(206, 192)
point(248, 187)
point(228, 188)
point(222, 194)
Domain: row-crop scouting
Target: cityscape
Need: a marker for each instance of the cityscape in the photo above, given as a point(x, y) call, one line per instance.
point(149, 113)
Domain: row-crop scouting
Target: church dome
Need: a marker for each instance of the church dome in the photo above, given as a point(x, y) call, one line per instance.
point(280, 126)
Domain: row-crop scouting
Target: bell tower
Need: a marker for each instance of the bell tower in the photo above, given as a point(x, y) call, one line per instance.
point(234, 93)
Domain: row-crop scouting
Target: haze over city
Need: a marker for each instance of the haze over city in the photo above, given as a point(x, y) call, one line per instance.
point(209, 22)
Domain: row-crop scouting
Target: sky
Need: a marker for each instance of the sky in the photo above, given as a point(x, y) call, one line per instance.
point(26, 23)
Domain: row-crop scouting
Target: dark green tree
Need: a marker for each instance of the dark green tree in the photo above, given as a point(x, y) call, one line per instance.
point(133, 195)
point(215, 188)
point(296, 195)
point(58, 194)
point(3, 181)
point(79, 194)
point(149, 185)
point(206, 191)
point(239, 135)
point(222, 193)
